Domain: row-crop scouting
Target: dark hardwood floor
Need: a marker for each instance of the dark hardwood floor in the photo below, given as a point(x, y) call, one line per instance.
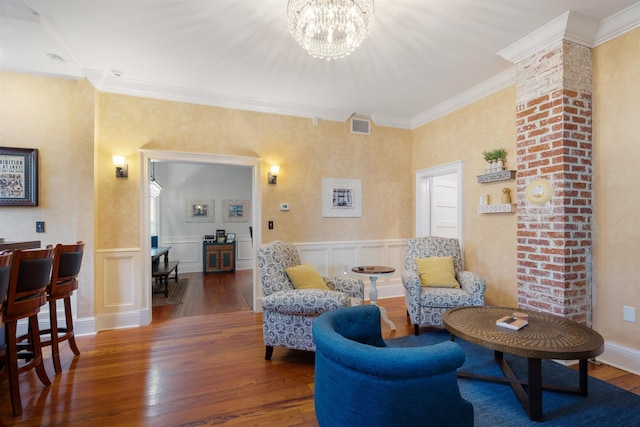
point(211, 293)
point(199, 363)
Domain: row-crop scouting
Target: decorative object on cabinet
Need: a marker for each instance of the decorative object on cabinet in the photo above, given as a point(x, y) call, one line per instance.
point(235, 211)
point(539, 191)
point(218, 257)
point(341, 197)
point(18, 176)
point(231, 237)
point(200, 210)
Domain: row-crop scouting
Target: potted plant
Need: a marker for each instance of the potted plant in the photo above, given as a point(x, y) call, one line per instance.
point(500, 155)
point(489, 158)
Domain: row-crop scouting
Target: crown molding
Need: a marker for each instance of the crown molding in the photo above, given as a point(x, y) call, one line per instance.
point(477, 92)
point(618, 24)
point(106, 82)
point(576, 28)
point(570, 26)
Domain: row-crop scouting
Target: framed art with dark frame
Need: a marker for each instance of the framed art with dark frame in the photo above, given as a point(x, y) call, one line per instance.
point(18, 176)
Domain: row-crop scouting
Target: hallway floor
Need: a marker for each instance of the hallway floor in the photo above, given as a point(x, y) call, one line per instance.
point(211, 293)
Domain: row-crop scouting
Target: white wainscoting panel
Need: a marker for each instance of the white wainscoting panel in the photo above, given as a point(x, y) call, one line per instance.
point(118, 279)
point(332, 258)
point(244, 253)
point(188, 250)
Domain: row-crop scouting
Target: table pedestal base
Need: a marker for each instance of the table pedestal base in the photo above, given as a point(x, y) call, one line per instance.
point(373, 297)
point(529, 392)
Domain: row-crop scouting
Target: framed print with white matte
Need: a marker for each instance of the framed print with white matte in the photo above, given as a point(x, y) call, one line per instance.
point(341, 197)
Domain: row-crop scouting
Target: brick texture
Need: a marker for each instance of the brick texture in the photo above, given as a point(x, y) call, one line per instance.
point(554, 142)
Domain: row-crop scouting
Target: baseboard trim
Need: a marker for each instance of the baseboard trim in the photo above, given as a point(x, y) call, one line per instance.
point(121, 320)
point(621, 357)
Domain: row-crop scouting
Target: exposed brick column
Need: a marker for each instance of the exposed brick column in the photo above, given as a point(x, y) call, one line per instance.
point(555, 143)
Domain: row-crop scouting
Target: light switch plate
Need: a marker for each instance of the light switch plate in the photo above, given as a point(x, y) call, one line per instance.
point(629, 314)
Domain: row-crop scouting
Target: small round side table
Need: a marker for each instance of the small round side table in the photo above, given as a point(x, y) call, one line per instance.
point(373, 272)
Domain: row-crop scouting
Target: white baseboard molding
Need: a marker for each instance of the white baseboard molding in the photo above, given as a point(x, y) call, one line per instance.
point(84, 326)
point(621, 357)
point(121, 320)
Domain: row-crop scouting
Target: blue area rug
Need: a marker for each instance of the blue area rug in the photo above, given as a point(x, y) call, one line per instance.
point(496, 405)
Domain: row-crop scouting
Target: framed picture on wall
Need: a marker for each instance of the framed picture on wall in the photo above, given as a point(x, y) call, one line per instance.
point(341, 197)
point(18, 176)
point(200, 210)
point(235, 211)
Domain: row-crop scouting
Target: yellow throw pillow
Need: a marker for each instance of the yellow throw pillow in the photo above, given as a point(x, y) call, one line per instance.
point(437, 272)
point(305, 277)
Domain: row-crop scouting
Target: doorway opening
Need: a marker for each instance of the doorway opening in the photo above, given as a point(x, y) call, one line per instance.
point(149, 156)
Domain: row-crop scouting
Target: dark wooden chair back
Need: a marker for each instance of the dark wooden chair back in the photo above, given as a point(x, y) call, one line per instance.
point(30, 274)
point(66, 267)
point(5, 274)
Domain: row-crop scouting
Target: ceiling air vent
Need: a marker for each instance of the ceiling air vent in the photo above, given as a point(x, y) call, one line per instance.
point(360, 126)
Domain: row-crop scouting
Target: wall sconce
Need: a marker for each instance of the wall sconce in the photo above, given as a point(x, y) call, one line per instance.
point(122, 169)
point(273, 175)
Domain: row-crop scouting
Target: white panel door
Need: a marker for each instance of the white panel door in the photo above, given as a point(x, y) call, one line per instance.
point(439, 201)
point(444, 205)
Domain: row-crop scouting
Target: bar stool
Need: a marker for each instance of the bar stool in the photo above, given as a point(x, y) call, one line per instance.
point(5, 273)
point(30, 273)
point(64, 280)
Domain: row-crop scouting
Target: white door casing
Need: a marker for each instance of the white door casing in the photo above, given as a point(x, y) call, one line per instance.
point(439, 203)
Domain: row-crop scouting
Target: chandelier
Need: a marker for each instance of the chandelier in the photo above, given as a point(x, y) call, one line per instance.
point(330, 29)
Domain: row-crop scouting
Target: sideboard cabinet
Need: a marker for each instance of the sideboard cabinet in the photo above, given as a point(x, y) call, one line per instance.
point(218, 257)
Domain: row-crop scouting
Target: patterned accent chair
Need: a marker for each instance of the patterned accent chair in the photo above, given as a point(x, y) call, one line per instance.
point(288, 313)
point(425, 305)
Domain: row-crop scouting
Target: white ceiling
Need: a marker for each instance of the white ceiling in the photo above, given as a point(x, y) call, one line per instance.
point(421, 55)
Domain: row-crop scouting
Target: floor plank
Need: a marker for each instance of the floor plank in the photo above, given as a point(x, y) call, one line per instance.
point(200, 363)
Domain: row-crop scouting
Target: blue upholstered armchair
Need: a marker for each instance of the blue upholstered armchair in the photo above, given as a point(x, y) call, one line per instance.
point(427, 304)
point(287, 312)
point(361, 380)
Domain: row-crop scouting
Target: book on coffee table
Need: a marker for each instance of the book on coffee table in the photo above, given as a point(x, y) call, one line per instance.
point(512, 322)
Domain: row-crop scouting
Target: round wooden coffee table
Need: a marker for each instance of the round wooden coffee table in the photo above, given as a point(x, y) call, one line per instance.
point(545, 337)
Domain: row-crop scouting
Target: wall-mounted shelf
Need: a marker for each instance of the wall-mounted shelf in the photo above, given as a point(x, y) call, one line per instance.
point(497, 208)
point(497, 176)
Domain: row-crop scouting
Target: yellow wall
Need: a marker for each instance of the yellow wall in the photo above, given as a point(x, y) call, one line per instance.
point(616, 156)
point(305, 153)
point(57, 116)
point(489, 240)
